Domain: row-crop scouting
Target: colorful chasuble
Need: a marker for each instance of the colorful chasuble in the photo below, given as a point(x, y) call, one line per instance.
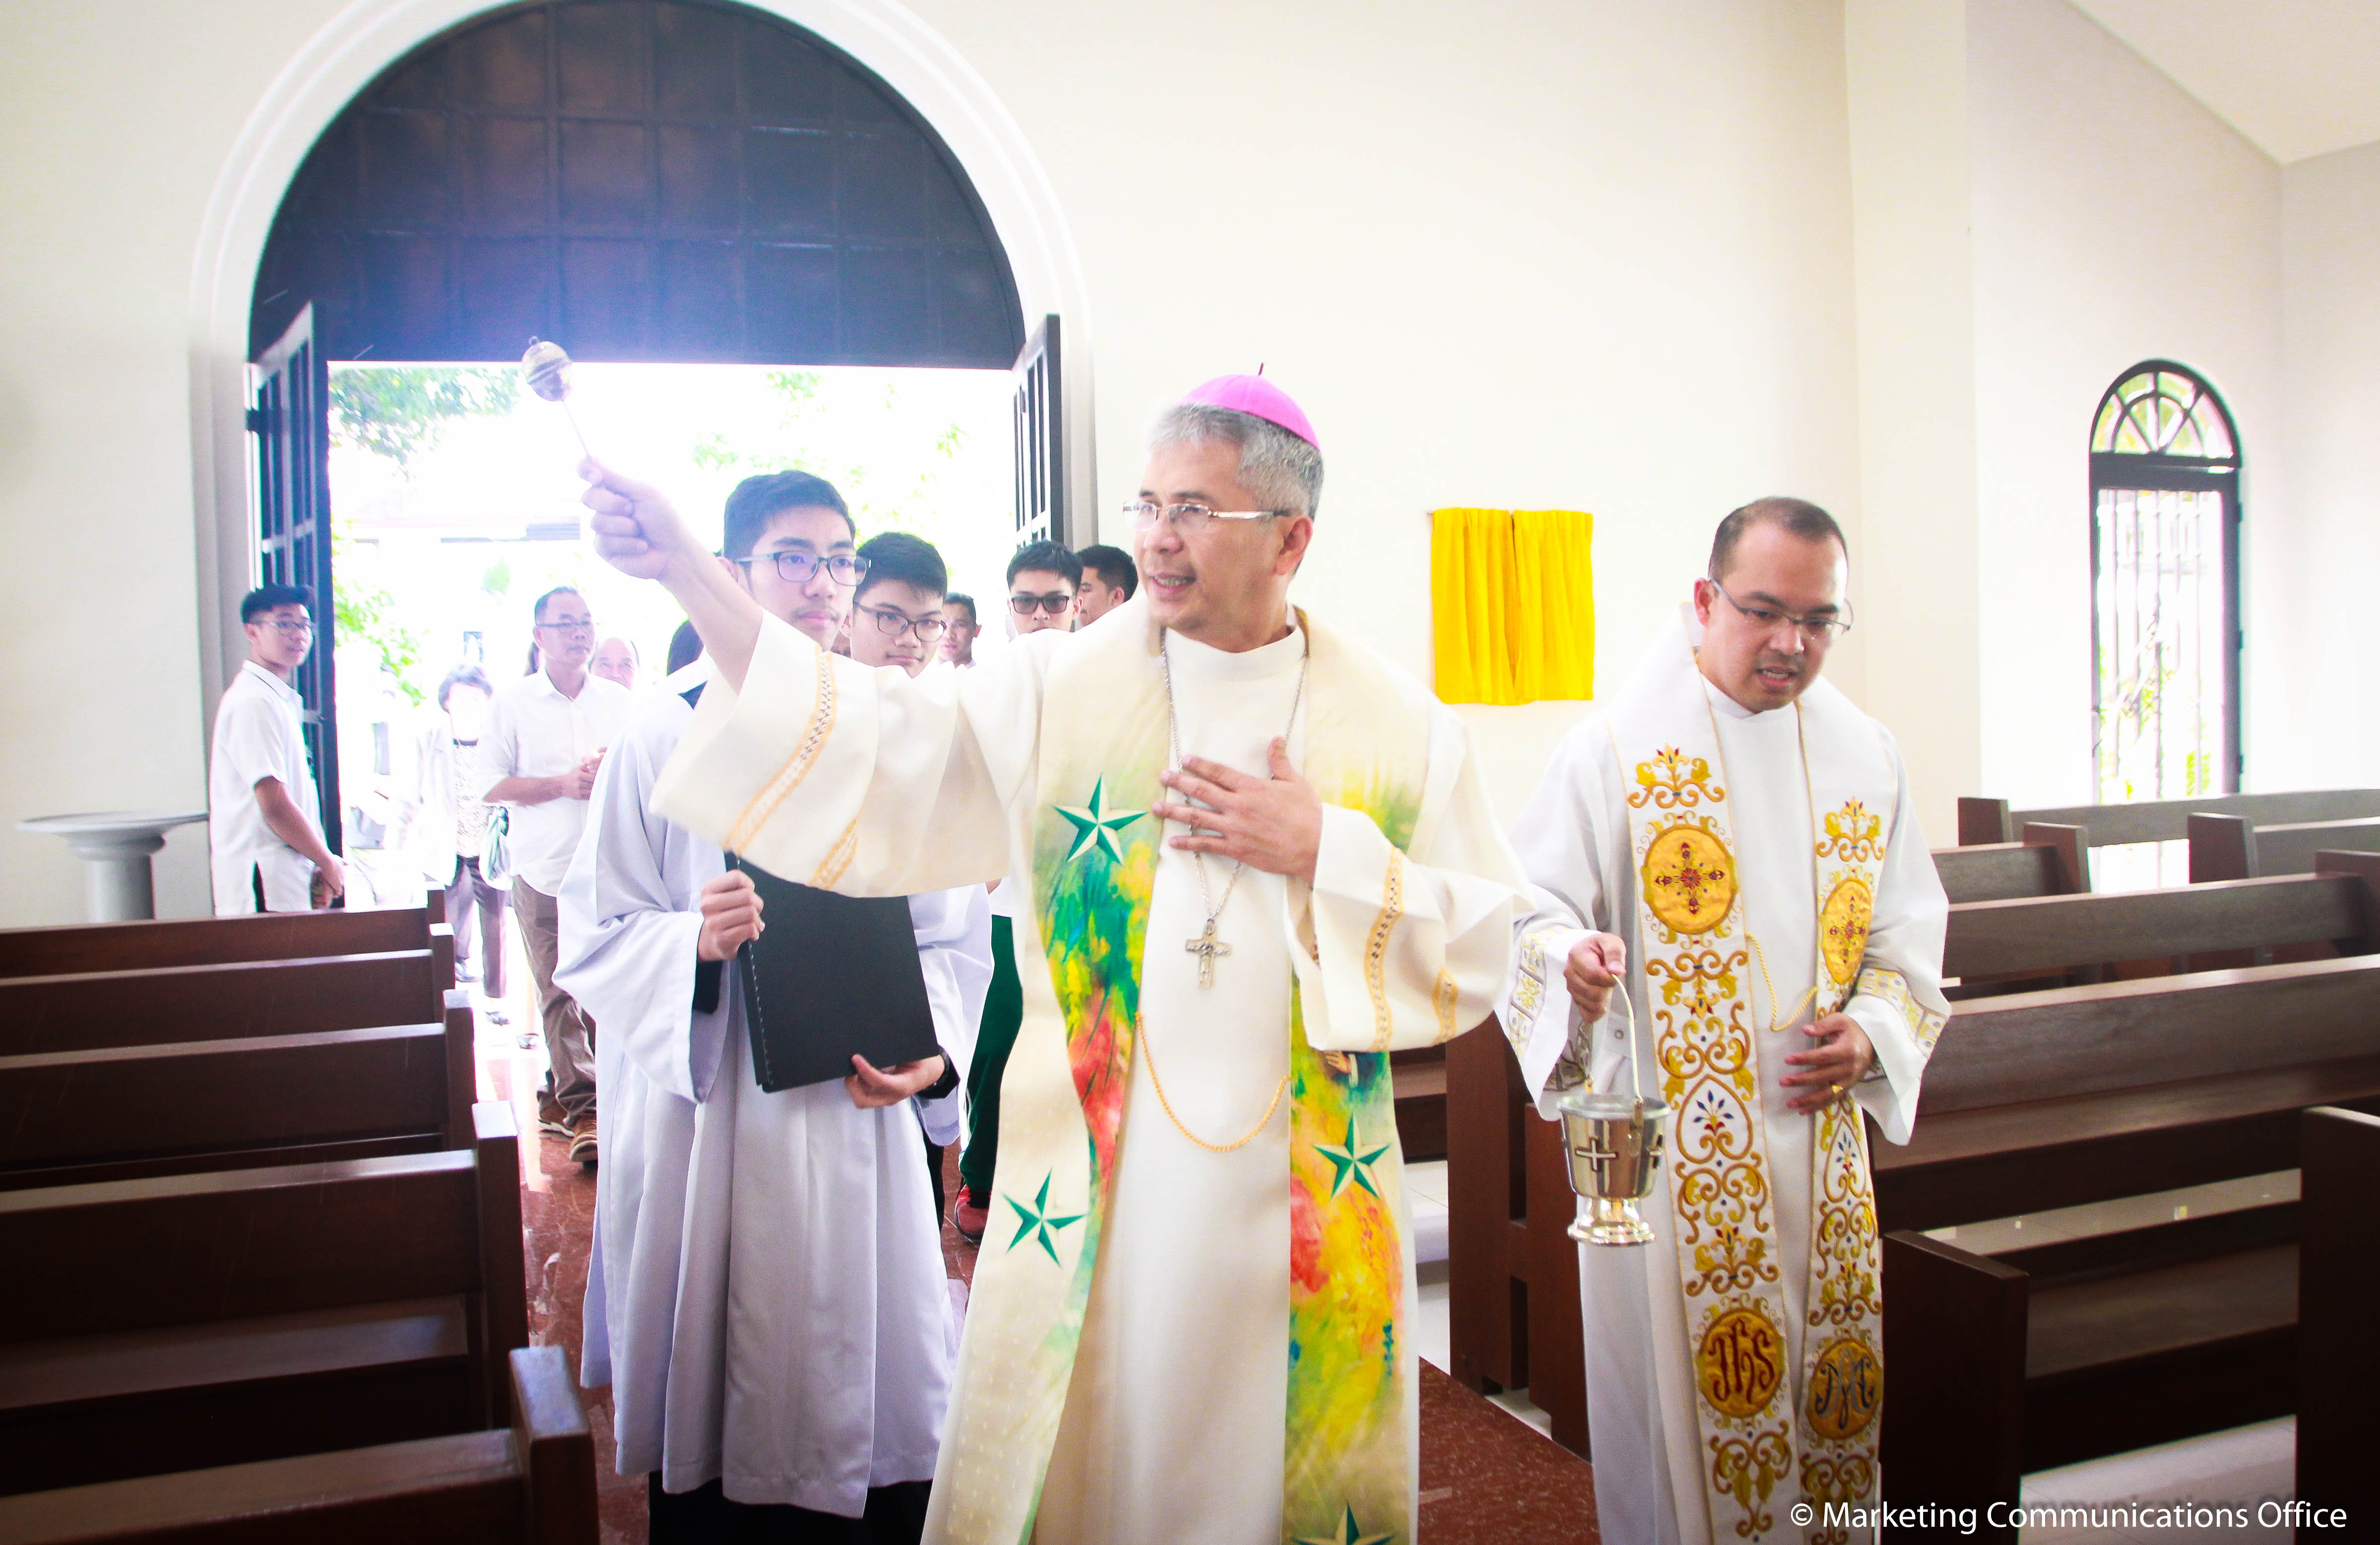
point(1093, 868)
point(1763, 1425)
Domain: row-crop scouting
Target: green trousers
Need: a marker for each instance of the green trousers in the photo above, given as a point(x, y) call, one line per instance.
point(1003, 1010)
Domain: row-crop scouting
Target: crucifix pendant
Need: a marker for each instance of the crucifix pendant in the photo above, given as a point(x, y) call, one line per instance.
point(1207, 947)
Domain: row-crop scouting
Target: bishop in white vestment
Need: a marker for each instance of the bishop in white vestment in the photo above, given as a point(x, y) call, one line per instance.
point(1191, 1318)
point(1758, 865)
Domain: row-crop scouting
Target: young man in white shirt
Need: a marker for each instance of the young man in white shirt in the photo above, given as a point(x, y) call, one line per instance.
point(1109, 578)
point(546, 736)
point(264, 831)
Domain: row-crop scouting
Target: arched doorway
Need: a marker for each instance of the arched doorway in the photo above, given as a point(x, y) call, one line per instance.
point(687, 180)
point(658, 180)
point(2164, 583)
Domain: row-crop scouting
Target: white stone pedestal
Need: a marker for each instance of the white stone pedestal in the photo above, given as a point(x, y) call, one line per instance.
point(114, 847)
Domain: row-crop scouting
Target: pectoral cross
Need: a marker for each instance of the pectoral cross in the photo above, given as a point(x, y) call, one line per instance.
point(1207, 947)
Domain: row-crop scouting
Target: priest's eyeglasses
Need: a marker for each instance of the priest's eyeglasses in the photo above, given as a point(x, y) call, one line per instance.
point(1818, 632)
point(1187, 518)
point(794, 566)
point(892, 623)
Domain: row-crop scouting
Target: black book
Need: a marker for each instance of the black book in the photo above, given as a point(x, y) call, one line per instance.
point(830, 975)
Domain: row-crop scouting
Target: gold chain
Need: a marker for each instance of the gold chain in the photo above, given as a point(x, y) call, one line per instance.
point(1148, 1052)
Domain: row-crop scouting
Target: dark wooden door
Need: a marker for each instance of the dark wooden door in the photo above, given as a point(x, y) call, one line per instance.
point(289, 418)
point(1041, 441)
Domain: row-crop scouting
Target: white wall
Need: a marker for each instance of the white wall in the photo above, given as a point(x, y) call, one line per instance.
point(1548, 254)
point(115, 120)
point(1917, 611)
point(2116, 220)
point(2322, 584)
point(1538, 255)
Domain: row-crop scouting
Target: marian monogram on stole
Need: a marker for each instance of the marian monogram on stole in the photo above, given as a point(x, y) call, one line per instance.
point(1755, 1433)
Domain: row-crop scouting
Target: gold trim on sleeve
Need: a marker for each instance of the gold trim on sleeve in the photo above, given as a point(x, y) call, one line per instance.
point(1884, 982)
point(1376, 950)
point(838, 859)
point(797, 766)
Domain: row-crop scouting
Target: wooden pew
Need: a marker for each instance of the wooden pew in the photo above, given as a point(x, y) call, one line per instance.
point(1991, 821)
point(2169, 1082)
point(1418, 1084)
point(86, 1011)
point(1512, 1270)
point(2337, 909)
point(531, 1484)
point(190, 1321)
point(2162, 1083)
point(2230, 847)
point(126, 1111)
point(2338, 1356)
point(2049, 861)
point(45, 951)
point(2113, 1343)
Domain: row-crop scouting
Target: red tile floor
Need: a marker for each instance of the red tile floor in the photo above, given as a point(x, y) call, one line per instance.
point(1486, 1478)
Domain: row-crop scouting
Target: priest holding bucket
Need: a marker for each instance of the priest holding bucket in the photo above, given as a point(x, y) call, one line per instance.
point(1250, 859)
point(1734, 840)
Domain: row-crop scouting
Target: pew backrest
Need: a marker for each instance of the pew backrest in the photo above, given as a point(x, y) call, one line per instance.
point(89, 1010)
point(2035, 933)
point(533, 1484)
point(2131, 1034)
point(91, 1260)
point(2230, 847)
point(121, 1113)
point(2050, 862)
point(1991, 821)
point(50, 952)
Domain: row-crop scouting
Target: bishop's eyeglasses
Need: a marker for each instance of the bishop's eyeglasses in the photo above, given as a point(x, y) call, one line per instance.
point(892, 623)
point(1818, 632)
point(796, 567)
point(1186, 518)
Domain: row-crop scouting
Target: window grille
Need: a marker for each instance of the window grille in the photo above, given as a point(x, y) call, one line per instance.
point(2165, 566)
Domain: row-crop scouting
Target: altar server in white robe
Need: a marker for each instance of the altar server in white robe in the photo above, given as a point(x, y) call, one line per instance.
point(767, 1292)
point(1735, 839)
point(1250, 858)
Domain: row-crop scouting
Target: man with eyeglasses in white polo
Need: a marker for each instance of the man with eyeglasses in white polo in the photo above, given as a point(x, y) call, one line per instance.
point(545, 738)
point(264, 830)
point(1734, 839)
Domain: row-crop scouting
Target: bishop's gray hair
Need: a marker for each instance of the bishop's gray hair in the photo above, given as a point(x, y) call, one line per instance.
point(1283, 471)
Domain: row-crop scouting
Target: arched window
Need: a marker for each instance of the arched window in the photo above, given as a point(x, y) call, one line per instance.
point(2164, 586)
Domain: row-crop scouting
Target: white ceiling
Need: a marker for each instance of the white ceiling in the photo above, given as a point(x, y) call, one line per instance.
point(2297, 77)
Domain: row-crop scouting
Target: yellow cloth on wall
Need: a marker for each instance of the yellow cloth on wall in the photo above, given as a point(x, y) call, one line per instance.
point(1512, 605)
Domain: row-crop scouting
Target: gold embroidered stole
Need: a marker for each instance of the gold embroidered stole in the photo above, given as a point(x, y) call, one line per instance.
point(1759, 1422)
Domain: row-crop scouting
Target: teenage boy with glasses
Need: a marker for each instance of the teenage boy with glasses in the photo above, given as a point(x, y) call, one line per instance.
point(545, 737)
point(767, 1298)
point(1042, 580)
point(263, 829)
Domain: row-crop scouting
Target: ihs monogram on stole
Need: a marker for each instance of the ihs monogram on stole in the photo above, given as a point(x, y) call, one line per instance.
point(1721, 1200)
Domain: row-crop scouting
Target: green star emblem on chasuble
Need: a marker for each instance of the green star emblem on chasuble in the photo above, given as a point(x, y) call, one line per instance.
point(1035, 1220)
point(1348, 1162)
point(1350, 1533)
point(1096, 825)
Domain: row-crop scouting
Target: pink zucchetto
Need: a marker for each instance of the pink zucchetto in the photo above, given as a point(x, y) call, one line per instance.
point(1255, 395)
